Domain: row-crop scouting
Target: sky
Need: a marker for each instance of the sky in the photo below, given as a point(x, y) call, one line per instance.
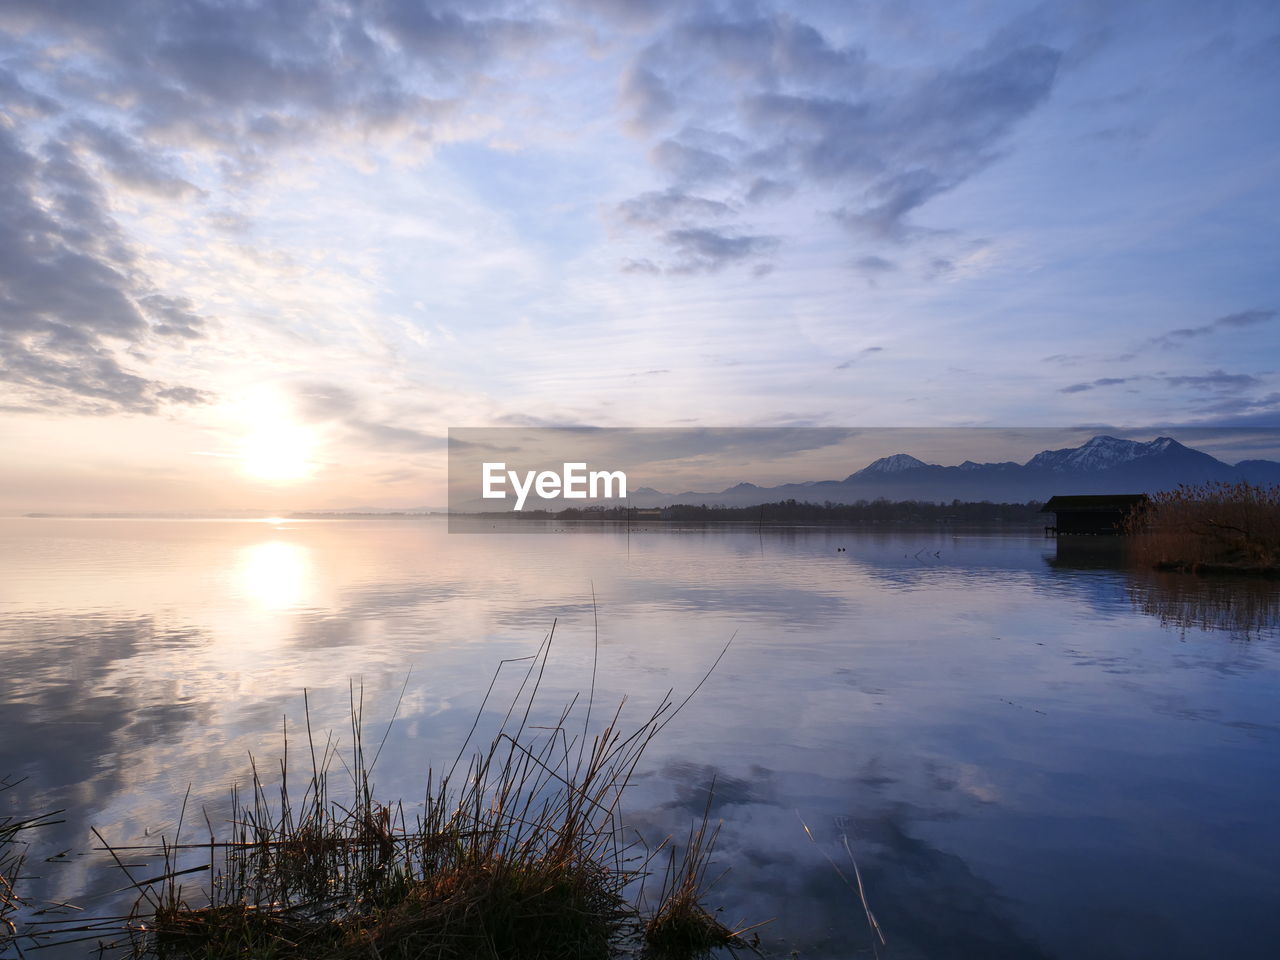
point(267, 254)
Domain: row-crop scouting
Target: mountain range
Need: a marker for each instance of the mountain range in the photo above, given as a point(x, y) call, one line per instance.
point(1101, 465)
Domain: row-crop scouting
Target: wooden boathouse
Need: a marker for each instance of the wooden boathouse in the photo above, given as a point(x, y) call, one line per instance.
point(1095, 514)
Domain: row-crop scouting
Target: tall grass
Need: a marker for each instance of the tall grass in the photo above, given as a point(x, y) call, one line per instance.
point(1210, 526)
point(521, 851)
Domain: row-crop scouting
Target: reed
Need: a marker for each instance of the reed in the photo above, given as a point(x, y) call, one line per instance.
point(521, 851)
point(1212, 527)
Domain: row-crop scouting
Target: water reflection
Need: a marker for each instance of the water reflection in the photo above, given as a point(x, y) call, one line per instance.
point(1246, 608)
point(1001, 725)
point(1090, 553)
point(928, 900)
point(84, 733)
point(276, 575)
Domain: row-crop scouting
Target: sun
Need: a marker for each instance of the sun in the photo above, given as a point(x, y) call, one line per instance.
point(278, 452)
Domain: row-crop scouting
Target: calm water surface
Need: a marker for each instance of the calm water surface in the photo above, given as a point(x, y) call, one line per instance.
point(1031, 754)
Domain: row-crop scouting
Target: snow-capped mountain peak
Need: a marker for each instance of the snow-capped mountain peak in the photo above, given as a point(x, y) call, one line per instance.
point(894, 464)
point(1100, 453)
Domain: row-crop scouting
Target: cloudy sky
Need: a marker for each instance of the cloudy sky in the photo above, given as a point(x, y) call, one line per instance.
point(268, 253)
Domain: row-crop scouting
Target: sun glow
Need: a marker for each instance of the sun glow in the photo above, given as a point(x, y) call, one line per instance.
point(278, 453)
point(275, 448)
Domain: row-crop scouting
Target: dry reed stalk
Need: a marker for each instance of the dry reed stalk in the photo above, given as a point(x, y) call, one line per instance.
point(1210, 526)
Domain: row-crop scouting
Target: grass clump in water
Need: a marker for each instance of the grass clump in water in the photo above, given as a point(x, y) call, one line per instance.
point(682, 926)
point(520, 854)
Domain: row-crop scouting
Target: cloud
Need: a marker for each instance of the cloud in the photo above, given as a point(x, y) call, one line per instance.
point(132, 164)
point(873, 267)
point(530, 420)
point(766, 190)
point(641, 265)
point(631, 13)
point(72, 295)
point(1237, 412)
point(800, 109)
point(704, 250)
point(895, 197)
point(939, 267)
point(659, 207)
point(903, 148)
point(320, 402)
point(448, 43)
point(1101, 382)
point(688, 164)
point(689, 224)
point(633, 448)
point(762, 51)
point(646, 98)
point(17, 99)
point(171, 102)
point(1246, 318)
point(383, 436)
point(860, 355)
point(1215, 380)
point(85, 380)
point(176, 316)
point(1073, 359)
point(1232, 321)
point(252, 77)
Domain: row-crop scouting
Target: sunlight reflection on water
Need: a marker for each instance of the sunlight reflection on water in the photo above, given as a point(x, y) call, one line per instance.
point(276, 575)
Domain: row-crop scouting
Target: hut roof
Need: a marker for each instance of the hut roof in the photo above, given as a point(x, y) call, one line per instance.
point(1092, 503)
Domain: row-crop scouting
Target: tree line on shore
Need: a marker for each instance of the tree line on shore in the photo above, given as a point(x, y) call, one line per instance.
point(860, 513)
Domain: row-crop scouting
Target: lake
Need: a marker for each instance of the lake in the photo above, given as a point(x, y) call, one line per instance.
point(1031, 751)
